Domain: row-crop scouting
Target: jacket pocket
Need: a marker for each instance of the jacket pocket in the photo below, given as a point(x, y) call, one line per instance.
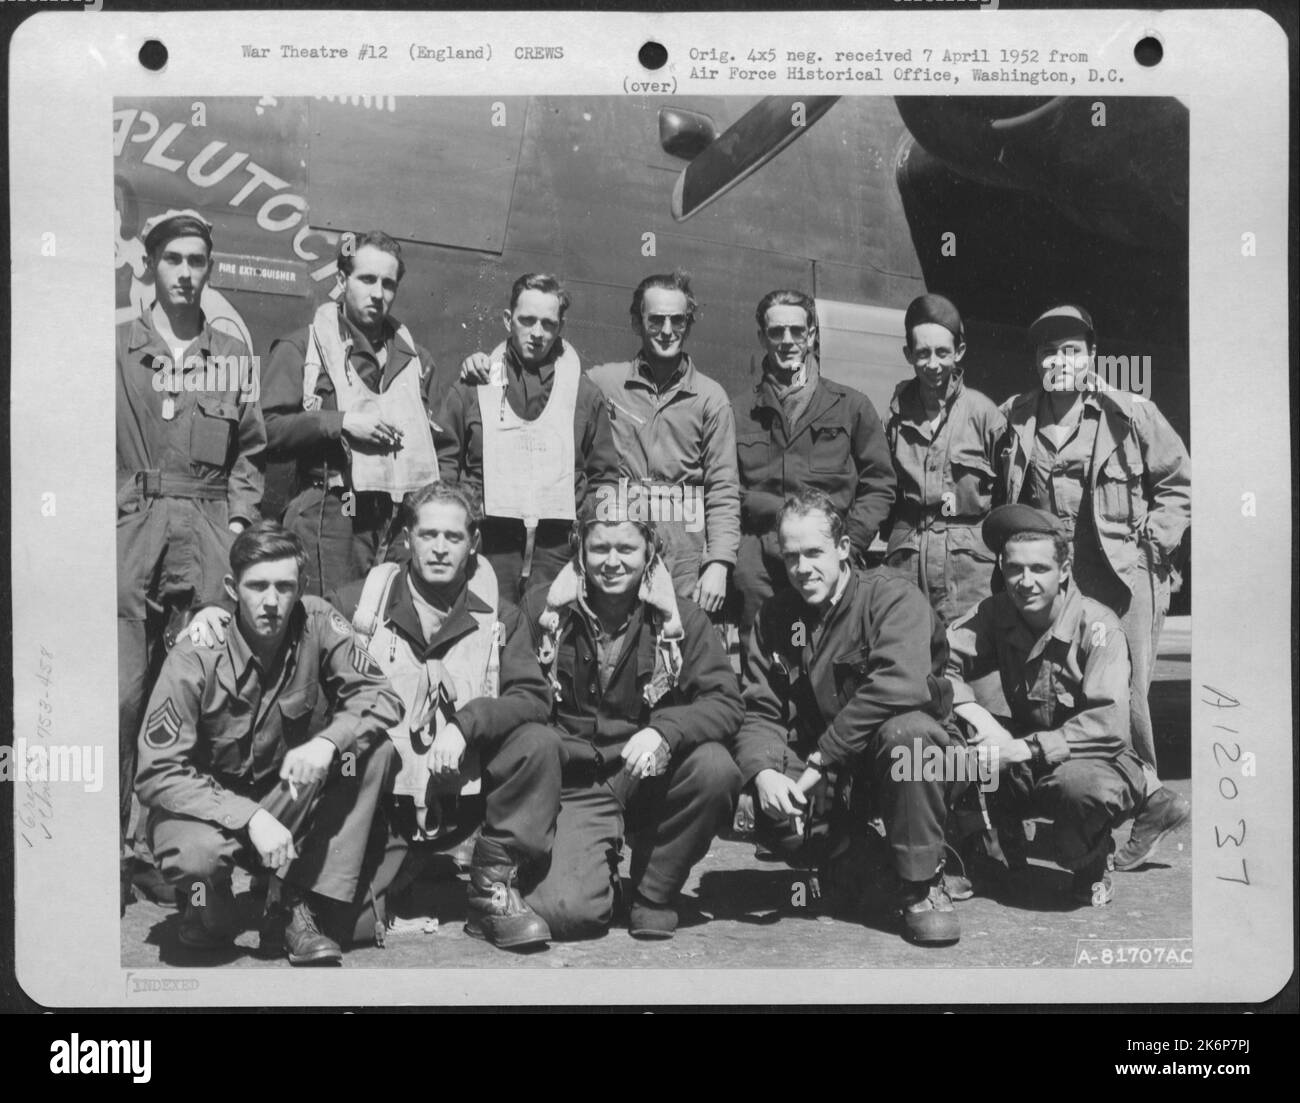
point(213, 432)
point(850, 672)
point(1119, 491)
point(752, 452)
point(296, 710)
point(566, 665)
point(973, 480)
point(830, 449)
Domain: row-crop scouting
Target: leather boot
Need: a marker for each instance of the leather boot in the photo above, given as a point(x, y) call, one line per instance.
point(304, 941)
point(929, 919)
point(497, 911)
point(209, 920)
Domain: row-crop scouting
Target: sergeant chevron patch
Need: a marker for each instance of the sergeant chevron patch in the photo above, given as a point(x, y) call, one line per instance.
point(163, 727)
point(362, 663)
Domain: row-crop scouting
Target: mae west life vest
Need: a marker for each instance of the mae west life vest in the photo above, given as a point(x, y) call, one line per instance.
point(415, 462)
point(430, 689)
point(528, 465)
point(562, 601)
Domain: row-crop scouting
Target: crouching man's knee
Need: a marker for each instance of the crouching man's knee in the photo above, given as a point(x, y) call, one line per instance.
point(190, 850)
point(574, 912)
point(710, 771)
point(903, 729)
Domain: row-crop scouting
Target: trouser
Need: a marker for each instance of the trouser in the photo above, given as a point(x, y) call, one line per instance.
point(142, 645)
point(914, 809)
point(522, 782)
point(683, 553)
point(756, 577)
point(331, 821)
point(172, 554)
point(503, 545)
point(1142, 616)
point(345, 534)
point(1083, 797)
point(673, 820)
point(952, 568)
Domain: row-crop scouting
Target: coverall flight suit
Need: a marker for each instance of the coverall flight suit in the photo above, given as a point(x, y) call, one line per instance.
point(683, 437)
point(181, 480)
point(945, 490)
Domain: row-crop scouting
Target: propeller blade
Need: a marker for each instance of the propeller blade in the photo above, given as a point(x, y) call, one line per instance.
point(753, 140)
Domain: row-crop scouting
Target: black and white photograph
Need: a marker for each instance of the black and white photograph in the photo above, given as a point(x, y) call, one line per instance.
point(662, 520)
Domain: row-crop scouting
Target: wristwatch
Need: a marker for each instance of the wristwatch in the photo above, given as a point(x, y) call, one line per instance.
point(1038, 757)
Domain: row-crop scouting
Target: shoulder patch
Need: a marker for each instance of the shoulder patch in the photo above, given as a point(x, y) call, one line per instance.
point(341, 626)
point(362, 662)
point(163, 727)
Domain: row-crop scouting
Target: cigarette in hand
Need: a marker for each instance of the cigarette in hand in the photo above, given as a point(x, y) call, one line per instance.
point(293, 789)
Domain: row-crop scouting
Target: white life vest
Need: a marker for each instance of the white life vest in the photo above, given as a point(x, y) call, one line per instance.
point(471, 668)
point(415, 463)
point(528, 465)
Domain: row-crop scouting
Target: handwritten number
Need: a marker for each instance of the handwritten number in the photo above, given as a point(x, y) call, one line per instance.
point(1231, 757)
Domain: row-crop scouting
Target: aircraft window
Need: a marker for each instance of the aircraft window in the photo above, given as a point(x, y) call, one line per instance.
point(862, 347)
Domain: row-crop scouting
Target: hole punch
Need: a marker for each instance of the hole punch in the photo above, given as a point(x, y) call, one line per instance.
point(1148, 51)
point(652, 55)
point(153, 55)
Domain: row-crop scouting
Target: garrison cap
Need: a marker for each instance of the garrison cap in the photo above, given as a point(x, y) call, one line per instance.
point(1007, 520)
point(1066, 320)
point(163, 227)
point(936, 309)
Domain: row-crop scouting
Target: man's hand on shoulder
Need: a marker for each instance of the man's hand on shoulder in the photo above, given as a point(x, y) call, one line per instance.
point(208, 626)
point(476, 368)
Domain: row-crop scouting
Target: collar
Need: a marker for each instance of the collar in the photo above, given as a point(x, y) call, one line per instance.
point(812, 373)
point(545, 370)
point(239, 656)
point(908, 400)
point(824, 392)
point(459, 621)
point(389, 332)
point(144, 333)
point(644, 641)
point(683, 378)
point(840, 600)
point(1064, 628)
